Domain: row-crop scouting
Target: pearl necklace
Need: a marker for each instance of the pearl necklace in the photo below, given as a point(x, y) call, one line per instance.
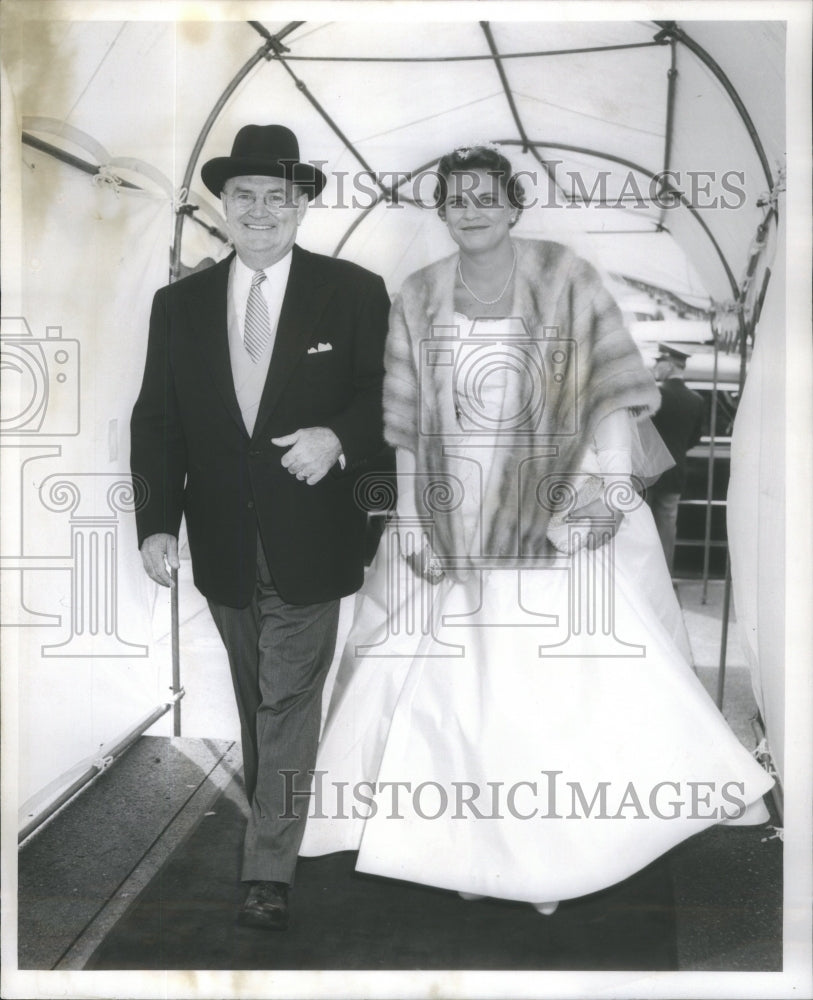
point(474, 295)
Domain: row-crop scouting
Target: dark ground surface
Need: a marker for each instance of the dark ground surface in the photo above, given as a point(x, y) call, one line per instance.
point(92, 894)
point(344, 920)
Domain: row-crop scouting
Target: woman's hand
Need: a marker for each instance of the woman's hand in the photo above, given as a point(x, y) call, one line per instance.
point(424, 564)
point(597, 519)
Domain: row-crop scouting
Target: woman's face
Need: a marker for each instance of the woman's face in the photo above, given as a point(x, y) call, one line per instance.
point(478, 213)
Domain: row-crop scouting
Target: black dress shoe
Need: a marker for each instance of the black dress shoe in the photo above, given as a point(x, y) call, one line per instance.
point(266, 906)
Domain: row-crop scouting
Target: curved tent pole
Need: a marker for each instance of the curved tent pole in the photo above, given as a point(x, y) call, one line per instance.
point(302, 87)
point(670, 29)
point(538, 54)
point(527, 145)
point(495, 55)
point(272, 44)
point(381, 197)
point(356, 223)
point(647, 173)
point(572, 149)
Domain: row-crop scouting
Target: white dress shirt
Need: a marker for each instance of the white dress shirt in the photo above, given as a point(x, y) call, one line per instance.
point(273, 289)
point(249, 378)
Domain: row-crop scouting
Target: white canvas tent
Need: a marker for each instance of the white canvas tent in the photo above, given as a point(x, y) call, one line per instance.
point(107, 122)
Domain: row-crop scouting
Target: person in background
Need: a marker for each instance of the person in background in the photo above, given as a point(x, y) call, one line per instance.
point(679, 422)
point(260, 404)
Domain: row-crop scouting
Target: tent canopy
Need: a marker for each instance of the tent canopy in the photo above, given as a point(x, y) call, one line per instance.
point(595, 112)
point(117, 117)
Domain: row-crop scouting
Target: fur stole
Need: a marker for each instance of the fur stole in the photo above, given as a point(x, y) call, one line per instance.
point(580, 364)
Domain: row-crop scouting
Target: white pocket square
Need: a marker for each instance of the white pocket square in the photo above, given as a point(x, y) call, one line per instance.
point(320, 348)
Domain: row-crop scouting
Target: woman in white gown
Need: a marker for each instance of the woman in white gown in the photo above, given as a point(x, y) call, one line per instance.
point(514, 714)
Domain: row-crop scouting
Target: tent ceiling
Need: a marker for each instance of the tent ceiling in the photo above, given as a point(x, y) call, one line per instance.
point(404, 93)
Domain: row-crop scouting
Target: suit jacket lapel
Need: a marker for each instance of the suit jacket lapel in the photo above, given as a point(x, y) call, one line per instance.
point(208, 307)
point(305, 298)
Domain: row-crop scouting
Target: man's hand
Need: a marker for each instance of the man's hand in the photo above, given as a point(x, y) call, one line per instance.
point(314, 451)
point(156, 552)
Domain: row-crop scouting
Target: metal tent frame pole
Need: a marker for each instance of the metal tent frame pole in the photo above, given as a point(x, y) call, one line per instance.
point(527, 145)
point(721, 666)
point(624, 162)
point(710, 477)
point(537, 54)
point(669, 30)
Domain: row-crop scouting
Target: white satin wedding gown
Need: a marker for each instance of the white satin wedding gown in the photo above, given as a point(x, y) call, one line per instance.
point(529, 734)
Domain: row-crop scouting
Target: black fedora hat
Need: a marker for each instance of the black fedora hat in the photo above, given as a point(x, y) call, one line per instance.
point(266, 151)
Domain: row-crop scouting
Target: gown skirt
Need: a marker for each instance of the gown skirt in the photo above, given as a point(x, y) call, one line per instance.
point(533, 734)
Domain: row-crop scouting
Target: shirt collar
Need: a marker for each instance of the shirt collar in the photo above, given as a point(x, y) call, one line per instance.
point(277, 271)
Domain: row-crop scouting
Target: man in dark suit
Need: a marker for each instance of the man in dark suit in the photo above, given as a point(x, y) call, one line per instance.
point(260, 403)
point(679, 422)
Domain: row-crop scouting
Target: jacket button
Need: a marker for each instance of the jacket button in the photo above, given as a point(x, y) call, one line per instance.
point(255, 452)
point(250, 505)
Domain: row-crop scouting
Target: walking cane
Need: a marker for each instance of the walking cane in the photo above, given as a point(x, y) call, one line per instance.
point(176, 656)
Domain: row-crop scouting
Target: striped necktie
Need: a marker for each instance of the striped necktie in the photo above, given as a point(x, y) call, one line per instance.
point(257, 329)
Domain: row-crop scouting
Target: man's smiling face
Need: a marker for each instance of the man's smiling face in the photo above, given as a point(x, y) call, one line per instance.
point(262, 215)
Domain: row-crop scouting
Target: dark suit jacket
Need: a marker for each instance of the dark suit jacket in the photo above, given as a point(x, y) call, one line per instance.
point(191, 448)
point(679, 422)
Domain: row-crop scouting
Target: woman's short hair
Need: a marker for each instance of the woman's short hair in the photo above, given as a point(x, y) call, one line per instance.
point(488, 159)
